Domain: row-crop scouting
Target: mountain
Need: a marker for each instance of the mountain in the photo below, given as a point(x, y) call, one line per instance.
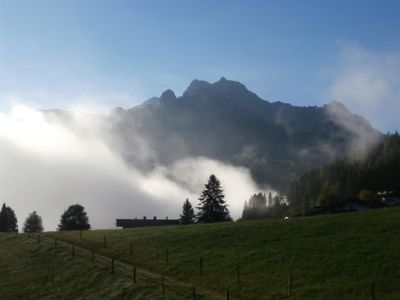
point(225, 121)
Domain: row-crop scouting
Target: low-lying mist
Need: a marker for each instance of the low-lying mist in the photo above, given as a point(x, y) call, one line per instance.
point(46, 165)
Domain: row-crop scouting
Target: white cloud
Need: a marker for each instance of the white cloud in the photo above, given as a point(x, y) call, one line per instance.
point(368, 83)
point(46, 166)
point(81, 102)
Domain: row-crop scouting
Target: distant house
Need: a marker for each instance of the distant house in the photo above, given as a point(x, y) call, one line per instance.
point(353, 205)
point(389, 202)
point(131, 223)
point(349, 205)
point(317, 210)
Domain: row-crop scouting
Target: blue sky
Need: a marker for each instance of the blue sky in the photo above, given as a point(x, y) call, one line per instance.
point(102, 54)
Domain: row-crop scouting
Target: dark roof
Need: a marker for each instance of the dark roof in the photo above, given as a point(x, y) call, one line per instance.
point(128, 223)
point(348, 205)
point(391, 202)
point(317, 210)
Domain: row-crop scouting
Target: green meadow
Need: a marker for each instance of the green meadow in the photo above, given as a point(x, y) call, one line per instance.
point(346, 256)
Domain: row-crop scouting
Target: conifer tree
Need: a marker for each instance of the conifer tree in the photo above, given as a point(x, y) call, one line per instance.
point(269, 203)
point(212, 207)
point(255, 208)
point(187, 216)
point(33, 223)
point(246, 211)
point(74, 218)
point(8, 220)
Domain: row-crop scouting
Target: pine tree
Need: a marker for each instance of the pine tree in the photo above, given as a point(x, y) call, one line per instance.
point(246, 211)
point(33, 223)
point(269, 204)
point(212, 207)
point(258, 201)
point(255, 208)
point(74, 218)
point(187, 216)
point(8, 220)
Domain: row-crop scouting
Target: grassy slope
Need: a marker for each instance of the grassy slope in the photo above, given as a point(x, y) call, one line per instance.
point(33, 271)
point(330, 257)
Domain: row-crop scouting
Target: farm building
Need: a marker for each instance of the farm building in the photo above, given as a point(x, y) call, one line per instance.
point(389, 202)
point(349, 205)
point(131, 223)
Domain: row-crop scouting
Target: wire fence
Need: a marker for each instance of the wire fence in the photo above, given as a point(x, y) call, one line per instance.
point(166, 285)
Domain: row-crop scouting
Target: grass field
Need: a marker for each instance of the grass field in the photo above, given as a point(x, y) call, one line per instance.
point(327, 257)
point(37, 271)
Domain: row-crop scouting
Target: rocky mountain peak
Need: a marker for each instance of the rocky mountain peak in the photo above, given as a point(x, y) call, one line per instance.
point(196, 87)
point(168, 95)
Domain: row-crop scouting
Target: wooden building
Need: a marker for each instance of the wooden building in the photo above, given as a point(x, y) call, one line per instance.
point(131, 223)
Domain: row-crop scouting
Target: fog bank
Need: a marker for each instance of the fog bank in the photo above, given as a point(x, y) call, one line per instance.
point(47, 166)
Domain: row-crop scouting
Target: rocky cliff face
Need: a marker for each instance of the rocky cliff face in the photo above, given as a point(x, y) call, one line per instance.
point(227, 122)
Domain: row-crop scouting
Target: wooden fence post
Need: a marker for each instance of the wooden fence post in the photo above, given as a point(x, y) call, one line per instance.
point(194, 293)
point(163, 286)
point(290, 285)
point(201, 266)
point(373, 291)
point(227, 294)
point(134, 274)
point(238, 272)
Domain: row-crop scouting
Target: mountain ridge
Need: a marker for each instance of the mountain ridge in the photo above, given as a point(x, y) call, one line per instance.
point(225, 121)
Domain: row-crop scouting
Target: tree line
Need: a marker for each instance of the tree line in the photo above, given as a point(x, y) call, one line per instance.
point(362, 179)
point(74, 218)
point(212, 207)
point(259, 206)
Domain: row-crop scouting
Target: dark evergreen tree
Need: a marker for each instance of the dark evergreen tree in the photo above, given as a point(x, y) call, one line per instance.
point(187, 216)
point(269, 199)
point(246, 211)
point(74, 218)
point(8, 220)
point(33, 223)
point(255, 208)
point(212, 207)
point(279, 208)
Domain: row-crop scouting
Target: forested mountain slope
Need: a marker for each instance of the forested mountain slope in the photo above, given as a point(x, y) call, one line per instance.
point(366, 179)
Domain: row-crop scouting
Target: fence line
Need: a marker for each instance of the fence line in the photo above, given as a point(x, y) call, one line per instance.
point(168, 284)
point(185, 290)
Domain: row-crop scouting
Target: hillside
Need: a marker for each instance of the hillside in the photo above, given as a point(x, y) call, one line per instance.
point(350, 179)
point(33, 271)
point(328, 257)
